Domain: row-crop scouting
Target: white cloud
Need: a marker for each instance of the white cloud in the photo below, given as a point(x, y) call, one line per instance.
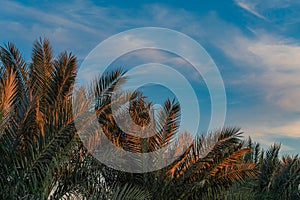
point(45, 17)
point(270, 66)
point(267, 134)
point(275, 62)
point(285, 12)
point(281, 64)
point(250, 7)
point(289, 129)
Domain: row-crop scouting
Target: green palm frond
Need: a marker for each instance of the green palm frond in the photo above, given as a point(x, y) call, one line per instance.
point(62, 78)
point(129, 192)
point(41, 67)
point(105, 85)
point(168, 123)
point(12, 58)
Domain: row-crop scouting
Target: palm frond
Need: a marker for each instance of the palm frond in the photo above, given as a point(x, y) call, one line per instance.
point(41, 67)
point(62, 78)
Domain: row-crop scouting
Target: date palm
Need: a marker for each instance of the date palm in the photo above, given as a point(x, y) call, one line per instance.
point(40, 150)
point(279, 177)
point(42, 156)
point(207, 168)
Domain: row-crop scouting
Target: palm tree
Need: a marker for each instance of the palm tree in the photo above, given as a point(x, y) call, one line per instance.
point(278, 178)
point(40, 150)
point(207, 168)
point(205, 171)
point(42, 156)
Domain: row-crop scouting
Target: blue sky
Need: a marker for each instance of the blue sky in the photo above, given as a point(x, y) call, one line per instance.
point(255, 44)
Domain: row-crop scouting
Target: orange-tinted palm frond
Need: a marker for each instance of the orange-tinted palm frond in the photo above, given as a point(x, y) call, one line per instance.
point(228, 161)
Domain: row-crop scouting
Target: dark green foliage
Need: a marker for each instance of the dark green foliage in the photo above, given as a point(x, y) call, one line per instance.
point(41, 154)
point(278, 178)
point(43, 157)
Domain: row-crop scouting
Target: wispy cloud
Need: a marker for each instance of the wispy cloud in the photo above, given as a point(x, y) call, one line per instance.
point(281, 12)
point(284, 134)
point(275, 62)
point(250, 7)
point(272, 62)
point(48, 18)
point(82, 25)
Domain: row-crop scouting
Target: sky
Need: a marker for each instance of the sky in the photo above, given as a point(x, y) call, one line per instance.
point(255, 45)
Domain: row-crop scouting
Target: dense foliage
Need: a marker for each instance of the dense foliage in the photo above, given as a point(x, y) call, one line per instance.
point(43, 157)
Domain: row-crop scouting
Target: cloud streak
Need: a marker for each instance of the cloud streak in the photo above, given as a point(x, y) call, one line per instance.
point(276, 63)
point(251, 8)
